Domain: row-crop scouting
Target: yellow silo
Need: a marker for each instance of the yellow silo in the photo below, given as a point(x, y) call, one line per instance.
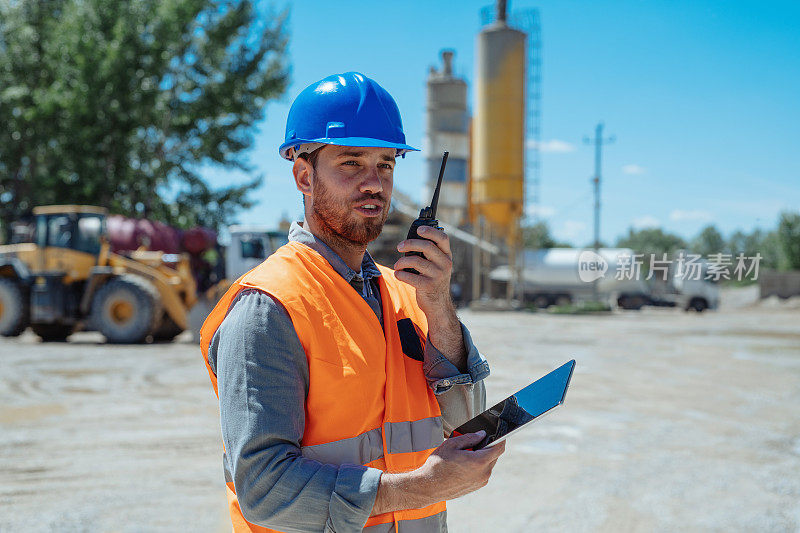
point(498, 128)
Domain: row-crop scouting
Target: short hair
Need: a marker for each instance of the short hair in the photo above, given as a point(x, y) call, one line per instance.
point(311, 157)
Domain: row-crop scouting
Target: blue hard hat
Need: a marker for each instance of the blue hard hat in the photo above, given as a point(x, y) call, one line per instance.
point(347, 109)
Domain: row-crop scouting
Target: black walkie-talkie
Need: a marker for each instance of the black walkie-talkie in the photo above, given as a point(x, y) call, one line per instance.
point(427, 216)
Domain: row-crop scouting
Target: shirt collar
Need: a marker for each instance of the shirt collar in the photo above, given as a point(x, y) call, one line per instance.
point(369, 269)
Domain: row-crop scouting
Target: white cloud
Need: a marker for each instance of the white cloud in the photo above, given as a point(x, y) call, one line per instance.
point(540, 211)
point(552, 146)
point(633, 169)
point(646, 222)
point(679, 215)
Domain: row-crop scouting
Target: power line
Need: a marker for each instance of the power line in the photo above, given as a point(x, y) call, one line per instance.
point(570, 206)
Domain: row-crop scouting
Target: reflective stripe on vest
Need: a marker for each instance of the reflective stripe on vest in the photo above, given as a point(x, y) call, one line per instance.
point(401, 437)
point(368, 403)
point(437, 522)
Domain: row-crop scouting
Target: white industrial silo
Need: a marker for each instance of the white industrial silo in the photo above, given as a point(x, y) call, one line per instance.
point(447, 124)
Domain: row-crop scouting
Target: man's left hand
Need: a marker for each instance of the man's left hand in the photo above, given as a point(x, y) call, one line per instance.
point(433, 281)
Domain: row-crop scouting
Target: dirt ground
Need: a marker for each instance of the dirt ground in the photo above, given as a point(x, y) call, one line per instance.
point(673, 422)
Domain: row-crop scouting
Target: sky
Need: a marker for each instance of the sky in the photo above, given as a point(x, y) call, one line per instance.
point(702, 98)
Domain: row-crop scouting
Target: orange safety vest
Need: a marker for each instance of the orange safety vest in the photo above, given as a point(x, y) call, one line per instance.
point(368, 402)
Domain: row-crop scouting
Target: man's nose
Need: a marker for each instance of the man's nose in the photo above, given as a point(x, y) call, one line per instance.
point(372, 182)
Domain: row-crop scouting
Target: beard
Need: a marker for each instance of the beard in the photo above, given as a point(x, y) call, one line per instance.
point(337, 220)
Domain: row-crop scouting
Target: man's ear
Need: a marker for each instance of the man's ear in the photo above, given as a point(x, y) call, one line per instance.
point(302, 171)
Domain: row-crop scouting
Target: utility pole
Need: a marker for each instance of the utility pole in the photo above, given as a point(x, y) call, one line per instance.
point(598, 142)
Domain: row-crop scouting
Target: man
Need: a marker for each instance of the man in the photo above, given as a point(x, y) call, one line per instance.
point(338, 378)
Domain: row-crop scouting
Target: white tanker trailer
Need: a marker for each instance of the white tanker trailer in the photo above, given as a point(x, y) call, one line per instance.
point(558, 276)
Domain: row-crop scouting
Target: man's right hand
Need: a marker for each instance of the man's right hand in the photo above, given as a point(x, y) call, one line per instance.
point(452, 470)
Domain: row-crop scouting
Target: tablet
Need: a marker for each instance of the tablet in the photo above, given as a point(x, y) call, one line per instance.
point(521, 408)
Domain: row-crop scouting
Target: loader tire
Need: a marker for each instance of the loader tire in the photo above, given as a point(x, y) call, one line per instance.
point(52, 332)
point(14, 308)
point(126, 310)
point(167, 330)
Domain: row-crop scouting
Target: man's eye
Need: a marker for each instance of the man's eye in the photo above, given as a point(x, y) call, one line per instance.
point(387, 166)
point(351, 163)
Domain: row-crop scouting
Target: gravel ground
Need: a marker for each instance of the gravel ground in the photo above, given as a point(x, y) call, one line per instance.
point(673, 422)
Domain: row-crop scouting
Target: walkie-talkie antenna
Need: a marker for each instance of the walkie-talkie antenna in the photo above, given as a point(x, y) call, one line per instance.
point(435, 201)
point(427, 217)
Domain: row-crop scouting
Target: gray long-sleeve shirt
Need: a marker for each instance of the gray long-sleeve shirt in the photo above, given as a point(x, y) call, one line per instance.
point(262, 374)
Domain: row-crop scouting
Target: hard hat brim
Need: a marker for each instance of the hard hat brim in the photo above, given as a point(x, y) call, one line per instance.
point(346, 141)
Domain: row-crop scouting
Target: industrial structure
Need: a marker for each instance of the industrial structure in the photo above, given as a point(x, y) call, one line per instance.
point(447, 129)
point(529, 22)
point(483, 193)
point(498, 141)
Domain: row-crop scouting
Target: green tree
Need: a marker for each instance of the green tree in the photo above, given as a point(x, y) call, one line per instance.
point(120, 103)
point(769, 246)
point(758, 242)
point(789, 238)
point(537, 236)
point(738, 242)
point(709, 241)
point(651, 241)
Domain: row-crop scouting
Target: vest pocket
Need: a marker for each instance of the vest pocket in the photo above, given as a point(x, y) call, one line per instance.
point(343, 401)
point(410, 339)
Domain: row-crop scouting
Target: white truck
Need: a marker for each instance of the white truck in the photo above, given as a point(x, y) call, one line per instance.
point(249, 246)
point(558, 276)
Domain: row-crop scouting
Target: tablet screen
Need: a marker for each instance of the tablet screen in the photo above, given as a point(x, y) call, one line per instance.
point(521, 407)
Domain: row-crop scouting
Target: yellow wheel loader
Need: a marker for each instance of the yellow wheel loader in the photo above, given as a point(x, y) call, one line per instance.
point(68, 280)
